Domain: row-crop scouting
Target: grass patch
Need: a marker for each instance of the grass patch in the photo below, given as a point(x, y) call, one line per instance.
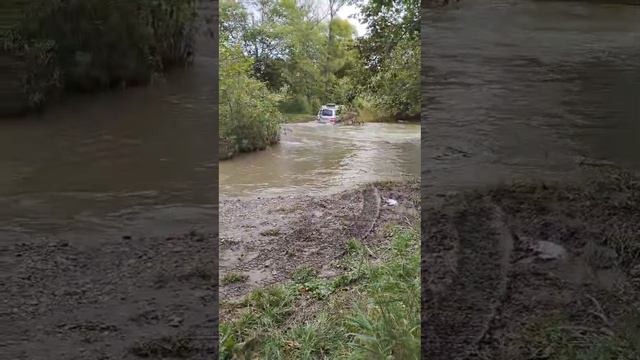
point(233, 278)
point(271, 232)
point(371, 311)
point(554, 339)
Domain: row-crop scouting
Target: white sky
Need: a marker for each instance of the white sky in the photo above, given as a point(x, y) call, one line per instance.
point(344, 13)
point(349, 10)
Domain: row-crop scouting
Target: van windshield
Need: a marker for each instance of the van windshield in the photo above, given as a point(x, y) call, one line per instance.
point(327, 112)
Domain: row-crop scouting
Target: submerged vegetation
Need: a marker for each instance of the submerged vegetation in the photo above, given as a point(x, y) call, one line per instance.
point(370, 311)
point(280, 58)
point(91, 45)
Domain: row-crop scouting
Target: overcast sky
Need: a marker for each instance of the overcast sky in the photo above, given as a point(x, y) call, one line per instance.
point(349, 10)
point(345, 12)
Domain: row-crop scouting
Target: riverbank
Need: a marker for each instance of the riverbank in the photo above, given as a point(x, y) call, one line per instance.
point(53, 60)
point(131, 298)
point(364, 117)
point(313, 242)
point(288, 232)
point(371, 310)
point(298, 118)
point(530, 270)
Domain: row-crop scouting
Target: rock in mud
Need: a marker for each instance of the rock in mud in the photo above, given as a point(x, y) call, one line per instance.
point(175, 321)
point(547, 250)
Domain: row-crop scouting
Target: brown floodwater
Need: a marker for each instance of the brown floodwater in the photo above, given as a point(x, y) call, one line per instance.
point(528, 89)
point(138, 161)
point(315, 158)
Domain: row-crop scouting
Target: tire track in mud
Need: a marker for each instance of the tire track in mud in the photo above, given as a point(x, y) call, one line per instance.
point(305, 231)
point(506, 246)
point(365, 222)
point(505, 266)
point(467, 277)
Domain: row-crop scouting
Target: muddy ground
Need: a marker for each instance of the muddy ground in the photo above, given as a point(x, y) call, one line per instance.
point(131, 298)
point(265, 240)
point(502, 266)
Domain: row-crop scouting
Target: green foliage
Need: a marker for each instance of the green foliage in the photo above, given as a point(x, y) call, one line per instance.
point(249, 114)
point(387, 321)
point(172, 24)
point(371, 311)
point(298, 104)
point(389, 22)
point(396, 89)
point(283, 56)
point(298, 118)
point(88, 45)
point(43, 78)
point(232, 278)
point(555, 339)
point(290, 48)
point(391, 58)
point(304, 274)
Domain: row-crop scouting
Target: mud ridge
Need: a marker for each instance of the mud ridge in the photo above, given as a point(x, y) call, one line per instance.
point(506, 245)
point(507, 268)
point(458, 315)
point(364, 224)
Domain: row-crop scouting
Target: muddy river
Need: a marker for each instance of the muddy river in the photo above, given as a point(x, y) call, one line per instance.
point(139, 160)
point(534, 89)
point(320, 158)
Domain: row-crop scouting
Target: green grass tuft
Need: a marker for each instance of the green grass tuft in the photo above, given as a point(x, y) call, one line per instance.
point(271, 232)
point(232, 278)
point(371, 311)
point(554, 339)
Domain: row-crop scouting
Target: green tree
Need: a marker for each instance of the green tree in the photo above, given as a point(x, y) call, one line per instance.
point(248, 111)
point(390, 56)
point(389, 22)
point(397, 87)
point(334, 7)
point(310, 56)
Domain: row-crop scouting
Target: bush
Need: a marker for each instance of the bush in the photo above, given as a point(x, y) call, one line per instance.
point(297, 104)
point(89, 45)
point(396, 89)
point(249, 114)
point(42, 77)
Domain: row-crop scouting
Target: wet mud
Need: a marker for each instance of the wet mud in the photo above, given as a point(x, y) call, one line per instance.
point(514, 268)
point(97, 256)
point(128, 299)
point(282, 234)
point(509, 259)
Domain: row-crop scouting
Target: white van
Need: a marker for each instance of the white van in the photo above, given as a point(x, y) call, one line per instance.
point(329, 113)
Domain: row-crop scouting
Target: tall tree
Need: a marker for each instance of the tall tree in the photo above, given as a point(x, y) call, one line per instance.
point(334, 7)
point(389, 23)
